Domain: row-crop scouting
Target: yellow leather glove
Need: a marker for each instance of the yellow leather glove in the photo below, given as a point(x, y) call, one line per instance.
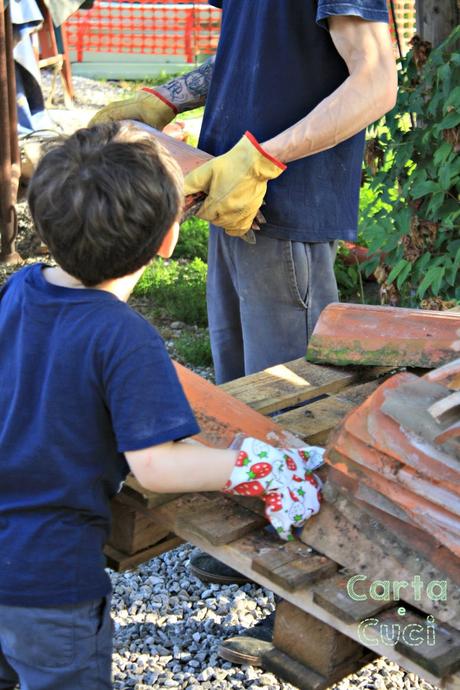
point(235, 184)
point(146, 106)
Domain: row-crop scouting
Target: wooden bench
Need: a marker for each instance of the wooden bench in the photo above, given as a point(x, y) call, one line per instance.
point(319, 635)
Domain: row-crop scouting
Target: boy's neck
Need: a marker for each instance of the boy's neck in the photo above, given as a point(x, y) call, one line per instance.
point(120, 287)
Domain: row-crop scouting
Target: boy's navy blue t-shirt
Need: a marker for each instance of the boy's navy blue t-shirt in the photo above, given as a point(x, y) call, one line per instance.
point(274, 63)
point(83, 378)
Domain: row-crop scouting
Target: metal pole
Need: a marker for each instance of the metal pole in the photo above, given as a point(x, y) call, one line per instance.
point(9, 149)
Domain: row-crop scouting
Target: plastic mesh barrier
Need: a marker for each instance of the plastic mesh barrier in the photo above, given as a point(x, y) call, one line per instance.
point(405, 19)
point(177, 27)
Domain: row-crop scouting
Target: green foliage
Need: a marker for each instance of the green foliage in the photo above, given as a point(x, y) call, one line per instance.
point(194, 349)
point(193, 240)
point(416, 180)
point(177, 287)
point(349, 278)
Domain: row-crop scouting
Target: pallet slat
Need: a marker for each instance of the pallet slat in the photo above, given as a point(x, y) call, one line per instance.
point(222, 522)
point(293, 566)
point(286, 385)
point(333, 596)
point(119, 561)
point(314, 422)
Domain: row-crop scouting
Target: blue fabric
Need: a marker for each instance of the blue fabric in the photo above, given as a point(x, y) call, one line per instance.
point(264, 300)
point(274, 64)
point(58, 648)
point(83, 378)
point(26, 18)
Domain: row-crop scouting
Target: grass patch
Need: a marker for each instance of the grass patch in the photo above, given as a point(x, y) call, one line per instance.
point(194, 349)
point(177, 287)
point(193, 240)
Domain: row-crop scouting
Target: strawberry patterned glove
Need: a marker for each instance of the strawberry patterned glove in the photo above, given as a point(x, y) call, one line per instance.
point(282, 478)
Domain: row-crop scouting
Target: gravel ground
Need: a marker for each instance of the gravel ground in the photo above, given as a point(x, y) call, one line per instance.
point(168, 624)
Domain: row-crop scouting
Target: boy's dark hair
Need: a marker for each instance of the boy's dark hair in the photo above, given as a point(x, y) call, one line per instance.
point(104, 199)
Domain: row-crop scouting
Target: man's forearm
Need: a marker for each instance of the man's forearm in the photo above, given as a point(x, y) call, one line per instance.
point(190, 90)
point(367, 94)
point(338, 117)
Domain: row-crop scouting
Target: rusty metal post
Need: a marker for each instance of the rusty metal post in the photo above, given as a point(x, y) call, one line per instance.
point(9, 149)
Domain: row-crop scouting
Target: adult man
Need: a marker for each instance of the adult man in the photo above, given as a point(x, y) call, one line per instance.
point(304, 79)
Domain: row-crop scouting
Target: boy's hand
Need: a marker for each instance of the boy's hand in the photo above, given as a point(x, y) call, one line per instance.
point(235, 184)
point(282, 478)
point(146, 106)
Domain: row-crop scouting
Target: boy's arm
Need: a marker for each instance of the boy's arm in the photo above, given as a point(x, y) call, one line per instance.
point(181, 467)
point(282, 478)
point(157, 107)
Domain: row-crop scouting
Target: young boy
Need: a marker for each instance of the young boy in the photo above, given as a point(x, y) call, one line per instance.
point(87, 393)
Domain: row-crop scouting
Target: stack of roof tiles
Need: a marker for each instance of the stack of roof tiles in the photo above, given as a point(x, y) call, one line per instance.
point(397, 459)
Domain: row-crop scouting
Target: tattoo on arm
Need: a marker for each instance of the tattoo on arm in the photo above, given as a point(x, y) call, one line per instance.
point(190, 90)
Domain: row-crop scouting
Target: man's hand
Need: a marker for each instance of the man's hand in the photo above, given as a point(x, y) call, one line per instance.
point(235, 184)
point(146, 106)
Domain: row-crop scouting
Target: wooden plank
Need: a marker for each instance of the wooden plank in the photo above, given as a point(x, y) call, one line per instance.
point(134, 494)
point(286, 385)
point(288, 669)
point(119, 561)
point(222, 521)
point(333, 596)
point(269, 560)
point(133, 530)
point(311, 641)
point(291, 671)
point(293, 565)
point(435, 646)
point(383, 336)
point(315, 421)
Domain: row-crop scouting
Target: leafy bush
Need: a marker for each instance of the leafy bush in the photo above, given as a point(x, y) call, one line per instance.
point(177, 287)
point(193, 240)
point(417, 182)
point(349, 278)
point(194, 349)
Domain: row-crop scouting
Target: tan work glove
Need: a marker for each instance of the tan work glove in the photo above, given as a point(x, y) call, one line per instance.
point(235, 184)
point(146, 106)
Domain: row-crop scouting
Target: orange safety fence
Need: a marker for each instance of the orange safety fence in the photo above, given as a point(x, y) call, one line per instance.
point(405, 20)
point(178, 27)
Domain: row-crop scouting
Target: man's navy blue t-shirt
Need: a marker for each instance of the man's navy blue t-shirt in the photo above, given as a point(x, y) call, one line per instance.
point(83, 378)
point(274, 63)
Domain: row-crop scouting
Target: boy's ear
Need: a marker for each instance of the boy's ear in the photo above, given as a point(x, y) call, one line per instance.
point(169, 241)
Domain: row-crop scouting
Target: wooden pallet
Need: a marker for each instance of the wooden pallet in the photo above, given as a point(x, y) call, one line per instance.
point(311, 582)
